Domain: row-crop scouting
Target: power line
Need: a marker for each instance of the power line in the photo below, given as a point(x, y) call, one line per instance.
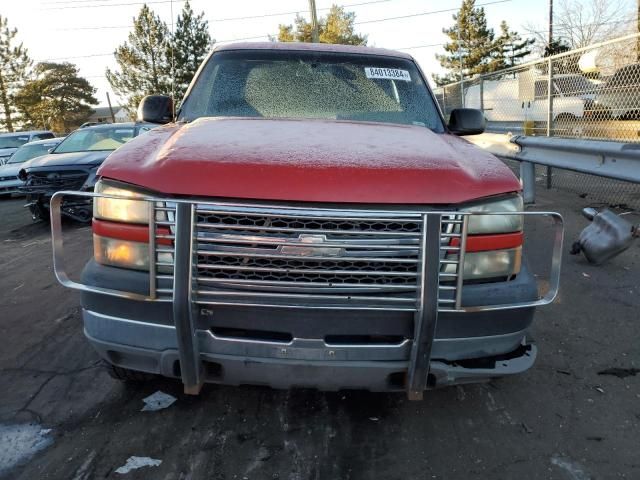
point(66, 2)
point(77, 56)
point(419, 46)
point(349, 5)
point(112, 27)
point(228, 19)
point(266, 35)
point(112, 4)
point(401, 17)
point(561, 28)
point(556, 25)
point(558, 28)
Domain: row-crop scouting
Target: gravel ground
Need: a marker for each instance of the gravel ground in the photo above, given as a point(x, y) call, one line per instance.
point(62, 417)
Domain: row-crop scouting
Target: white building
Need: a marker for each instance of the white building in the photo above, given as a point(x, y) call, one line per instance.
point(103, 115)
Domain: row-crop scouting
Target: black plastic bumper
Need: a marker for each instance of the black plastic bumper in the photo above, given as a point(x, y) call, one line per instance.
point(468, 347)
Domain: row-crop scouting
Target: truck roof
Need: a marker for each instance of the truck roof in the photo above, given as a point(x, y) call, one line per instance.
point(312, 47)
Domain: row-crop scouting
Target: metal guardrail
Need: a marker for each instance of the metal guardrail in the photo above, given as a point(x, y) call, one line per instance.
point(619, 161)
point(614, 160)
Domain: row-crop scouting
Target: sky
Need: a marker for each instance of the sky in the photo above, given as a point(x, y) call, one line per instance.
point(86, 32)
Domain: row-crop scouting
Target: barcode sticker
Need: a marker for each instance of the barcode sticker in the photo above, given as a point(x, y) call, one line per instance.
point(387, 73)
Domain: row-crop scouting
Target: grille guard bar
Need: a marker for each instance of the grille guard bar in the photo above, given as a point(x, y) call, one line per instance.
point(426, 304)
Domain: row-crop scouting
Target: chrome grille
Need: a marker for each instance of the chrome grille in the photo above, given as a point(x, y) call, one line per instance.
point(306, 257)
point(301, 257)
point(46, 181)
point(312, 253)
point(161, 249)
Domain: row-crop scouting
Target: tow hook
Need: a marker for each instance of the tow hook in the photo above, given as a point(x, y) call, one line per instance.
point(607, 236)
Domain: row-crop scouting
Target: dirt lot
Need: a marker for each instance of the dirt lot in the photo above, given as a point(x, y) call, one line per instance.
point(561, 420)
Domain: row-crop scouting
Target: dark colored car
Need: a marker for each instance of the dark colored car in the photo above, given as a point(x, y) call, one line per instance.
point(9, 142)
point(72, 165)
point(620, 94)
point(9, 181)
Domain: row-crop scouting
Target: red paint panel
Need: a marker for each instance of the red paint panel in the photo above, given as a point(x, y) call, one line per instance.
point(483, 243)
point(127, 231)
point(309, 161)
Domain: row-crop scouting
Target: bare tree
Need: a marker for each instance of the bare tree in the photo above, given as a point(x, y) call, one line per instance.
point(579, 23)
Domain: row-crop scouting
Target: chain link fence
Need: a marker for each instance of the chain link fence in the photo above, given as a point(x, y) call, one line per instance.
point(588, 93)
point(592, 93)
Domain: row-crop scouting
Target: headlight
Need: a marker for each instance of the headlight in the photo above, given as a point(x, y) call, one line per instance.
point(119, 210)
point(492, 264)
point(488, 264)
point(484, 260)
point(484, 224)
point(121, 253)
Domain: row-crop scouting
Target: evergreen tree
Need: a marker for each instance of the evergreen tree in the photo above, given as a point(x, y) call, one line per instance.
point(14, 67)
point(564, 64)
point(56, 98)
point(512, 49)
point(191, 44)
point(555, 47)
point(337, 27)
point(472, 44)
point(144, 61)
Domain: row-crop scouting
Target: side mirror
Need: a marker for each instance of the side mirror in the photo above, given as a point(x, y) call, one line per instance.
point(466, 121)
point(155, 109)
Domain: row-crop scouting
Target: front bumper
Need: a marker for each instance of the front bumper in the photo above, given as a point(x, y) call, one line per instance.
point(284, 373)
point(10, 186)
point(468, 347)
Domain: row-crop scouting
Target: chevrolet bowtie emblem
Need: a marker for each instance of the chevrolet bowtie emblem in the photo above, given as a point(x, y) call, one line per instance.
point(315, 248)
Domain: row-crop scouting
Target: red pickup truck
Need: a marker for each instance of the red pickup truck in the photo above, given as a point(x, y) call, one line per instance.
point(308, 219)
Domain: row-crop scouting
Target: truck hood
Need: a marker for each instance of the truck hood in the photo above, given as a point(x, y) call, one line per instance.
point(68, 159)
point(309, 161)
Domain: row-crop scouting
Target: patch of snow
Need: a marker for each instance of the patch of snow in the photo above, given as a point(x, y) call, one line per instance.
point(574, 469)
point(134, 463)
point(20, 442)
point(157, 401)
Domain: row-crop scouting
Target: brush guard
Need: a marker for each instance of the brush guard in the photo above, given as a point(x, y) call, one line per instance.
point(435, 291)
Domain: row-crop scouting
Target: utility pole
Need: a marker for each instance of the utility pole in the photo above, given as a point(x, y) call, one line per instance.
point(315, 36)
point(638, 40)
point(551, 21)
point(173, 68)
point(550, 91)
point(113, 117)
point(460, 65)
